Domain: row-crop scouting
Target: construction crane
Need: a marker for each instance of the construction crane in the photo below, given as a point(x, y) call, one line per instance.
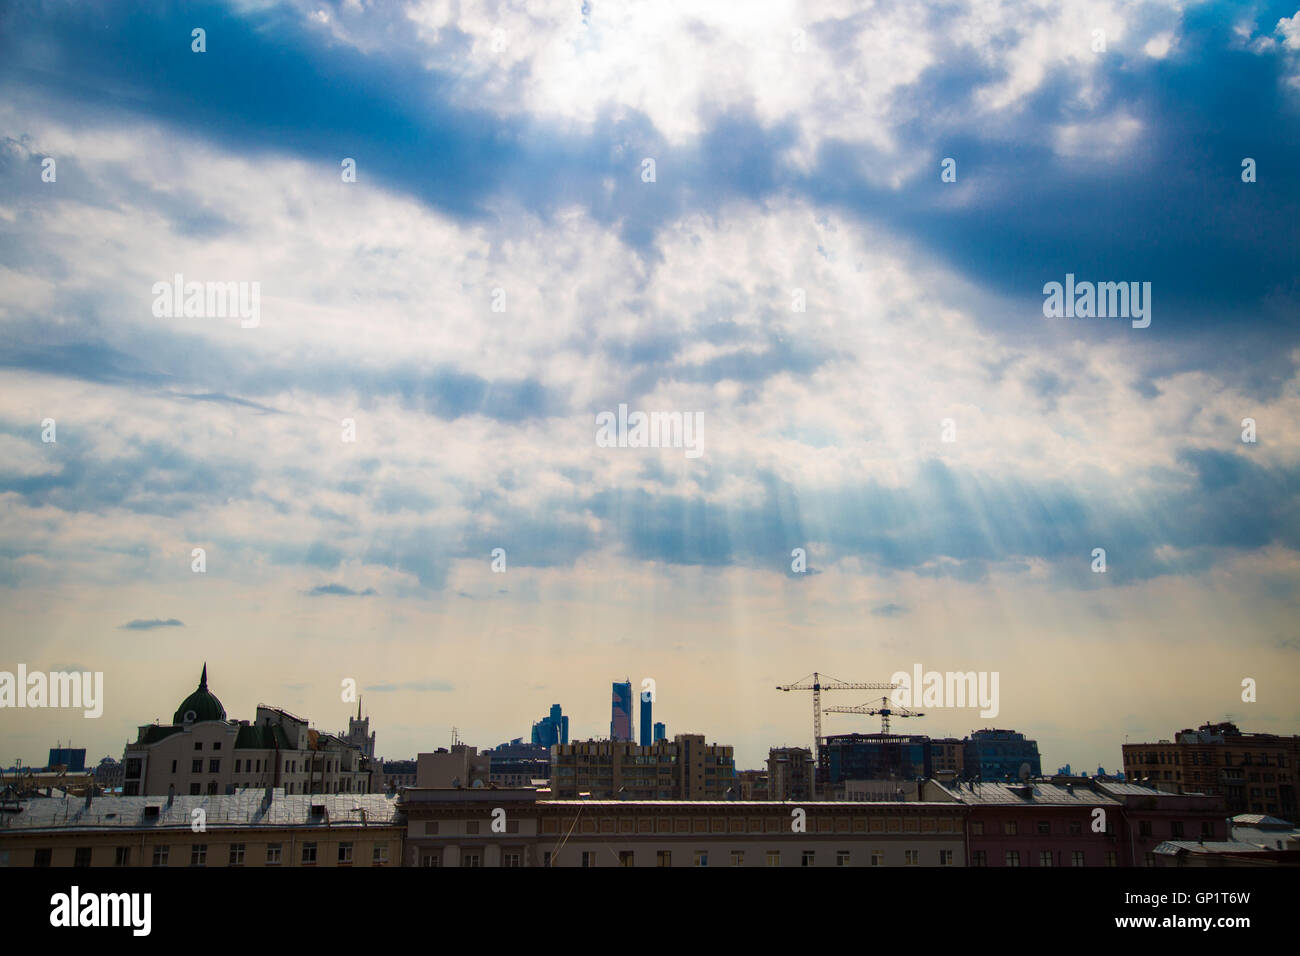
point(816, 683)
point(884, 710)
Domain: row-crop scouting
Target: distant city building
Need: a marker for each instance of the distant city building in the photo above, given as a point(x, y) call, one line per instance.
point(948, 753)
point(517, 764)
point(752, 784)
point(684, 768)
point(875, 757)
point(999, 754)
point(74, 761)
point(1266, 832)
point(262, 827)
point(789, 773)
point(647, 720)
point(202, 753)
point(1255, 773)
point(108, 774)
point(461, 766)
point(552, 729)
point(661, 732)
point(398, 773)
point(620, 724)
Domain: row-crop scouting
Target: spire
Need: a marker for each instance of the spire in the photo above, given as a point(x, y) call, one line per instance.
point(203, 681)
point(358, 708)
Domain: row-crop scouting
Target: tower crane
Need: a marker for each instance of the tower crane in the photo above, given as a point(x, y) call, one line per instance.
point(883, 709)
point(816, 683)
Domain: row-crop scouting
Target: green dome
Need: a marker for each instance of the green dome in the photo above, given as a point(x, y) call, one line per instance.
point(200, 705)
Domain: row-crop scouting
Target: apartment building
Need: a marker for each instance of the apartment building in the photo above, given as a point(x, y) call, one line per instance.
point(1254, 773)
point(527, 828)
point(684, 768)
point(247, 828)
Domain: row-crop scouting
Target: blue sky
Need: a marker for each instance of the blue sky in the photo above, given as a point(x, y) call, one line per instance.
point(796, 147)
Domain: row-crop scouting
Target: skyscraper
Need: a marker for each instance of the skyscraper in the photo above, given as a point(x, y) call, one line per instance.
point(552, 730)
point(620, 724)
point(647, 729)
point(661, 732)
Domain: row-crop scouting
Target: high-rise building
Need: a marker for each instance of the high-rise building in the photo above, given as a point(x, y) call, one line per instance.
point(552, 729)
point(661, 732)
point(875, 757)
point(647, 728)
point(789, 773)
point(685, 768)
point(999, 754)
point(620, 724)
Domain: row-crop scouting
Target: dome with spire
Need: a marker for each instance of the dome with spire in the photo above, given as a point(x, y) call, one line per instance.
point(200, 705)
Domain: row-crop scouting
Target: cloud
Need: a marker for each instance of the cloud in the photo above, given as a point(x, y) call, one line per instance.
point(150, 624)
point(339, 590)
point(431, 686)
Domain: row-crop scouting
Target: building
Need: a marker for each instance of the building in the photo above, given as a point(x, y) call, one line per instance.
point(73, 761)
point(202, 752)
point(1255, 773)
point(1075, 821)
point(526, 828)
point(752, 784)
point(620, 723)
point(789, 773)
point(874, 757)
point(397, 773)
point(999, 755)
point(948, 754)
point(661, 732)
point(517, 764)
point(684, 768)
point(108, 774)
point(647, 720)
point(552, 729)
point(461, 766)
point(1265, 832)
point(264, 827)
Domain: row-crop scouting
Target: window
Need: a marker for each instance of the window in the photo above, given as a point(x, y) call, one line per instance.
point(1144, 828)
point(1076, 858)
point(345, 853)
point(808, 858)
point(199, 854)
point(701, 858)
point(877, 857)
point(1044, 857)
point(1207, 828)
point(773, 857)
point(42, 857)
point(626, 858)
point(82, 856)
point(737, 857)
point(979, 858)
point(236, 854)
point(588, 858)
point(273, 854)
point(513, 860)
point(123, 857)
point(381, 854)
point(1076, 828)
point(471, 826)
point(198, 745)
point(1009, 827)
point(1044, 827)
point(217, 745)
point(945, 857)
point(842, 857)
point(1013, 857)
point(214, 766)
point(977, 828)
point(546, 859)
point(475, 861)
point(160, 855)
point(664, 858)
point(431, 828)
point(1176, 829)
point(432, 859)
point(236, 766)
point(173, 766)
point(196, 766)
point(309, 854)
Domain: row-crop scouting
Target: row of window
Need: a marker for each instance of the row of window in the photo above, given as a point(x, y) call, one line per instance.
point(199, 855)
point(590, 858)
point(1075, 828)
point(1045, 858)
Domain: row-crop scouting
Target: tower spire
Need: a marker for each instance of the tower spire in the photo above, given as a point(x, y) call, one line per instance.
point(203, 681)
point(358, 708)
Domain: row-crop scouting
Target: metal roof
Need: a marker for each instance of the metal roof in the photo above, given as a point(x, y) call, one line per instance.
point(1042, 794)
point(243, 808)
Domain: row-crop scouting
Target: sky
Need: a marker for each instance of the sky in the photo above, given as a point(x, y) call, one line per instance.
point(835, 261)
